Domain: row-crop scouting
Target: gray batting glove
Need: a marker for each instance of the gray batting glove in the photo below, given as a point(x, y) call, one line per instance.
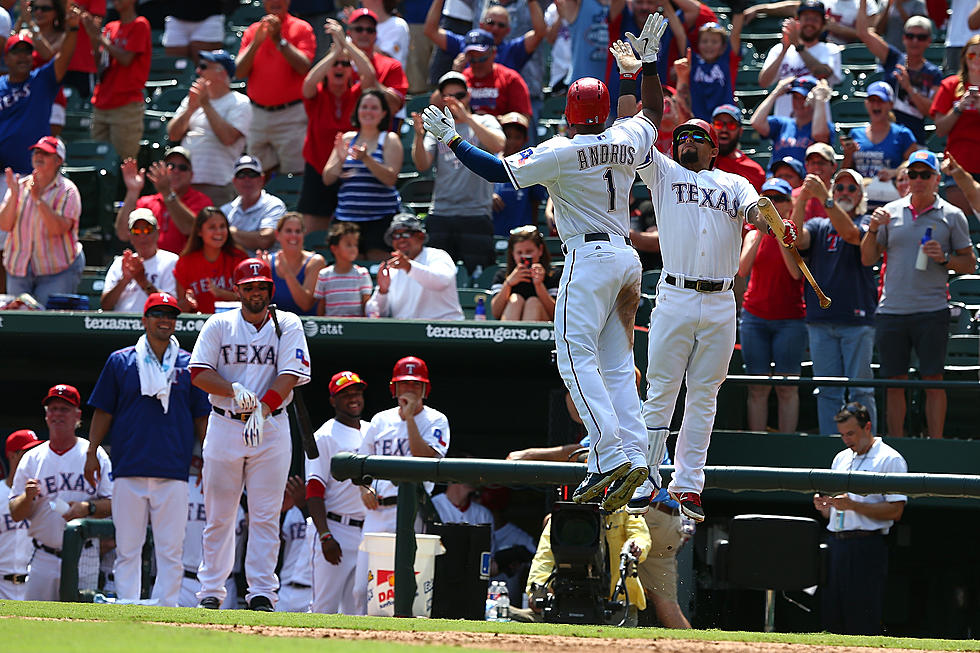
point(245, 399)
point(253, 428)
point(647, 44)
point(439, 123)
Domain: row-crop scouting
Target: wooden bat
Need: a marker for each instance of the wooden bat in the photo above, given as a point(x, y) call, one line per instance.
point(296, 409)
point(771, 216)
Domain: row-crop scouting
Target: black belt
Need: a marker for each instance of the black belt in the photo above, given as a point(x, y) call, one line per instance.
point(659, 505)
point(700, 285)
point(356, 523)
point(47, 549)
point(190, 574)
point(591, 238)
point(299, 586)
point(242, 417)
point(275, 107)
point(16, 579)
point(388, 501)
point(847, 535)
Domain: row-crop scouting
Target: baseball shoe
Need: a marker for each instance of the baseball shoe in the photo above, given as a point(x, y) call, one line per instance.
point(595, 483)
point(260, 604)
point(639, 504)
point(690, 503)
point(620, 491)
point(209, 603)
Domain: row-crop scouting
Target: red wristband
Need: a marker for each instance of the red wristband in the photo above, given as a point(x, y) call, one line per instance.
point(271, 399)
point(623, 75)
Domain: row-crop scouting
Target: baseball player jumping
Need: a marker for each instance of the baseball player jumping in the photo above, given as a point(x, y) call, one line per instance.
point(700, 214)
point(239, 357)
point(589, 178)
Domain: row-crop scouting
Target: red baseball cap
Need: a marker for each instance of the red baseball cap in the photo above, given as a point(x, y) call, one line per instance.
point(22, 440)
point(361, 13)
point(14, 39)
point(51, 145)
point(341, 380)
point(160, 299)
point(62, 391)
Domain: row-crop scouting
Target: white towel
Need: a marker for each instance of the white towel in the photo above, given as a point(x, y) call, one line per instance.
point(156, 377)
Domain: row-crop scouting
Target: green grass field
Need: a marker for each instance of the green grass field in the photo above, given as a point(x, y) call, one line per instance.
point(109, 628)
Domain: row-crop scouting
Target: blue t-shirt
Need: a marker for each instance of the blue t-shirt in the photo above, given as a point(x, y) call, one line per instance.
point(518, 206)
point(145, 440)
point(711, 83)
point(788, 139)
point(590, 39)
point(836, 266)
point(925, 81)
point(889, 153)
point(25, 116)
point(511, 53)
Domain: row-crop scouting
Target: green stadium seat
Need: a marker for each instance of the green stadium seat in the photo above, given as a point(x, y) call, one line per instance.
point(92, 285)
point(316, 239)
point(966, 289)
point(246, 14)
point(963, 350)
point(960, 319)
point(856, 54)
point(287, 188)
point(82, 152)
point(485, 280)
point(170, 71)
point(648, 284)
point(936, 52)
point(463, 278)
point(417, 194)
point(849, 110)
point(553, 243)
point(167, 99)
point(553, 107)
point(78, 125)
point(468, 298)
point(416, 103)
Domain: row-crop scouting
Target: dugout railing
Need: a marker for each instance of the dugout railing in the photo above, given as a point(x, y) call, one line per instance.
point(83, 533)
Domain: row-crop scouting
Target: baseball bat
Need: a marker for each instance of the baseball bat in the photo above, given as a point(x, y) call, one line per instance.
point(771, 216)
point(296, 409)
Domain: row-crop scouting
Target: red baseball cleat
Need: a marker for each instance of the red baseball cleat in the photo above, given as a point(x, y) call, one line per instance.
point(690, 503)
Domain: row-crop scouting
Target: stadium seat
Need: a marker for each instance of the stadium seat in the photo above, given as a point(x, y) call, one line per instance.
point(287, 188)
point(245, 14)
point(961, 319)
point(856, 54)
point(553, 244)
point(316, 239)
point(467, 299)
point(553, 107)
point(485, 280)
point(168, 71)
point(417, 194)
point(78, 125)
point(167, 99)
point(416, 103)
point(966, 289)
point(463, 278)
point(963, 351)
point(91, 286)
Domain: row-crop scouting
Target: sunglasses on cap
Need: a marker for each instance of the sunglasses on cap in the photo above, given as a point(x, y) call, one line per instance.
point(402, 235)
point(162, 314)
point(246, 174)
point(850, 188)
point(696, 136)
point(461, 95)
point(479, 58)
point(362, 29)
point(183, 167)
point(342, 64)
point(496, 23)
point(917, 37)
point(722, 125)
point(920, 174)
point(142, 231)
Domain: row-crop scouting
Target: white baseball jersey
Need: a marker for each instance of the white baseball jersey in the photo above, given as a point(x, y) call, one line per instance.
point(15, 544)
point(62, 477)
point(236, 351)
point(297, 557)
point(388, 436)
point(588, 176)
point(450, 514)
point(699, 217)
point(193, 535)
point(341, 497)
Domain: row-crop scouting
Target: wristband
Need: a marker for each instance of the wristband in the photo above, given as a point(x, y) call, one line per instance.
point(624, 75)
point(649, 67)
point(271, 399)
point(454, 142)
point(627, 86)
point(326, 536)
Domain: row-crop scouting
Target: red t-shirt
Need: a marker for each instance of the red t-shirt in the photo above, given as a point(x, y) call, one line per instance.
point(389, 72)
point(503, 91)
point(773, 294)
point(82, 59)
point(327, 115)
point(199, 275)
point(170, 237)
point(737, 163)
point(963, 141)
point(121, 84)
point(272, 80)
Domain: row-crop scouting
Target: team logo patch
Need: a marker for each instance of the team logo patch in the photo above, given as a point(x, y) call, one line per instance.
point(301, 357)
point(524, 155)
point(438, 434)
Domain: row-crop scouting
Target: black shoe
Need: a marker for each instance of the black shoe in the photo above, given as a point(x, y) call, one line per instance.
point(209, 603)
point(595, 483)
point(621, 491)
point(260, 604)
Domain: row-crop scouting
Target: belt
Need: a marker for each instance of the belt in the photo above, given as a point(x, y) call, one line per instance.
point(46, 549)
point(190, 574)
point(16, 579)
point(356, 523)
point(240, 416)
point(848, 535)
point(300, 586)
point(388, 501)
point(275, 107)
point(581, 239)
point(662, 507)
point(700, 285)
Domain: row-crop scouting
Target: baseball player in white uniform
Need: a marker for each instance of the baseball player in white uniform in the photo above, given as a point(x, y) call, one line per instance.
point(296, 591)
point(409, 429)
point(16, 547)
point(50, 489)
point(335, 506)
point(238, 358)
point(589, 177)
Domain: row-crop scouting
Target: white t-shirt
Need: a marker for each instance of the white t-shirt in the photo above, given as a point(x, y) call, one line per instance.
point(159, 271)
point(297, 558)
point(957, 31)
point(341, 497)
point(388, 436)
point(426, 292)
point(16, 548)
point(393, 38)
point(450, 514)
point(214, 162)
point(792, 66)
point(879, 458)
point(845, 13)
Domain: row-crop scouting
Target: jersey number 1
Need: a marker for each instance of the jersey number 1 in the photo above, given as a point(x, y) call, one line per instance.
point(610, 188)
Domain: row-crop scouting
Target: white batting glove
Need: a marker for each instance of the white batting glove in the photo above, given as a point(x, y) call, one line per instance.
point(647, 44)
point(245, 399)
point(439, 123)
point(253, 428)
point(625, 59)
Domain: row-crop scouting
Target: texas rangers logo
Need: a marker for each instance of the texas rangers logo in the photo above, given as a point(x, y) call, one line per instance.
point(255, 268)
point(410, 367)
point(301, 357)
point(688, 193)
point(524, 155)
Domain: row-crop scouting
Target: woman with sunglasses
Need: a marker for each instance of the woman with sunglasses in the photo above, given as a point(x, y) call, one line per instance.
point(46, 20)
point(294, 269)
point(367, 162)
point(526, 289)
point(206, 268)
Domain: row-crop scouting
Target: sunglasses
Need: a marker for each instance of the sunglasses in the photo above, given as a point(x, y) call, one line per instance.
point(342, 64)
point(161, 314)
point(202, 66)
point(526, 229)
point(779, 198)
point(479, 58)
point(920, 174)
point(917, 37)
point(496, 23)
point(850, 188)
point(142, 231)
point(461, 95)
point(724, 126)
point(360, 29)
point(697, 137)
point(35, 8)
point(183, 167)
point(246, 174)
point(402, 235)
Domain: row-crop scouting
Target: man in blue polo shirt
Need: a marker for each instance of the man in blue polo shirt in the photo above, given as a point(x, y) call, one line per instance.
point(145, 400)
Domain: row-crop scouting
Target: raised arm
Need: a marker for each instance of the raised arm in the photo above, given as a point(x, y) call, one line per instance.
point(534, 36)
point(64, 55)
point(431, 27)
point(862, 25)
point(568, 9)
point(760, 119)
point(821, 96)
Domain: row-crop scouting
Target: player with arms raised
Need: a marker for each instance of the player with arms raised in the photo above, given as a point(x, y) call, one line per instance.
point(589, 178)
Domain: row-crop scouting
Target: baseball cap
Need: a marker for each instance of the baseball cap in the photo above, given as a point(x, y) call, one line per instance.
point(790, 161)
point(62, 391)
point(452, 76)
point(712, 26)
point(478, 40)
point(857, 176)
point(220, 56)
point(22, 440)
point(881, 90)
point(778, 185)
point(51, 145)
point(821, 149)
point(248, 162)
point(160, 299)
point(408, 221)
point(803, 85)
point(363, 12)
point(811, 5)
point(177, 149)
point(728, 110)
point(14, 39)
point(514, 118)
point(142, 214)
point(924, 156)
point(921, 22)
point(344, 379)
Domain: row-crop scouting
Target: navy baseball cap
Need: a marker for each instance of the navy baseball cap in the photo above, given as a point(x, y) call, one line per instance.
point(803, 85)
point(479, 40)
point(222, 57)
point(924, 156)
point(779, 185)
point(790, 161)
point(812, 5)
point(728, 110)
point(882, 90)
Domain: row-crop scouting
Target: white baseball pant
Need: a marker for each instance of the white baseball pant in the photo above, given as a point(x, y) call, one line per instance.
point(294, 599)
point(692, 336)
point(230, 467)
point(333, 585)
point(189, 588)
point(44, 575)
point(137, 500)
point(11, 591)
point(594, 317)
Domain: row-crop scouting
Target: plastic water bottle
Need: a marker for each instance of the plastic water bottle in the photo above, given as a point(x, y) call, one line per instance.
point(492, 593)
point(921, 260)
point(481, 309)
point(503, 603)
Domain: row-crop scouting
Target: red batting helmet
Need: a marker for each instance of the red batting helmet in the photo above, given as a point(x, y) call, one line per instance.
point(697, 123)
point(252, 269)
point(587, 102)
point(410, 368)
